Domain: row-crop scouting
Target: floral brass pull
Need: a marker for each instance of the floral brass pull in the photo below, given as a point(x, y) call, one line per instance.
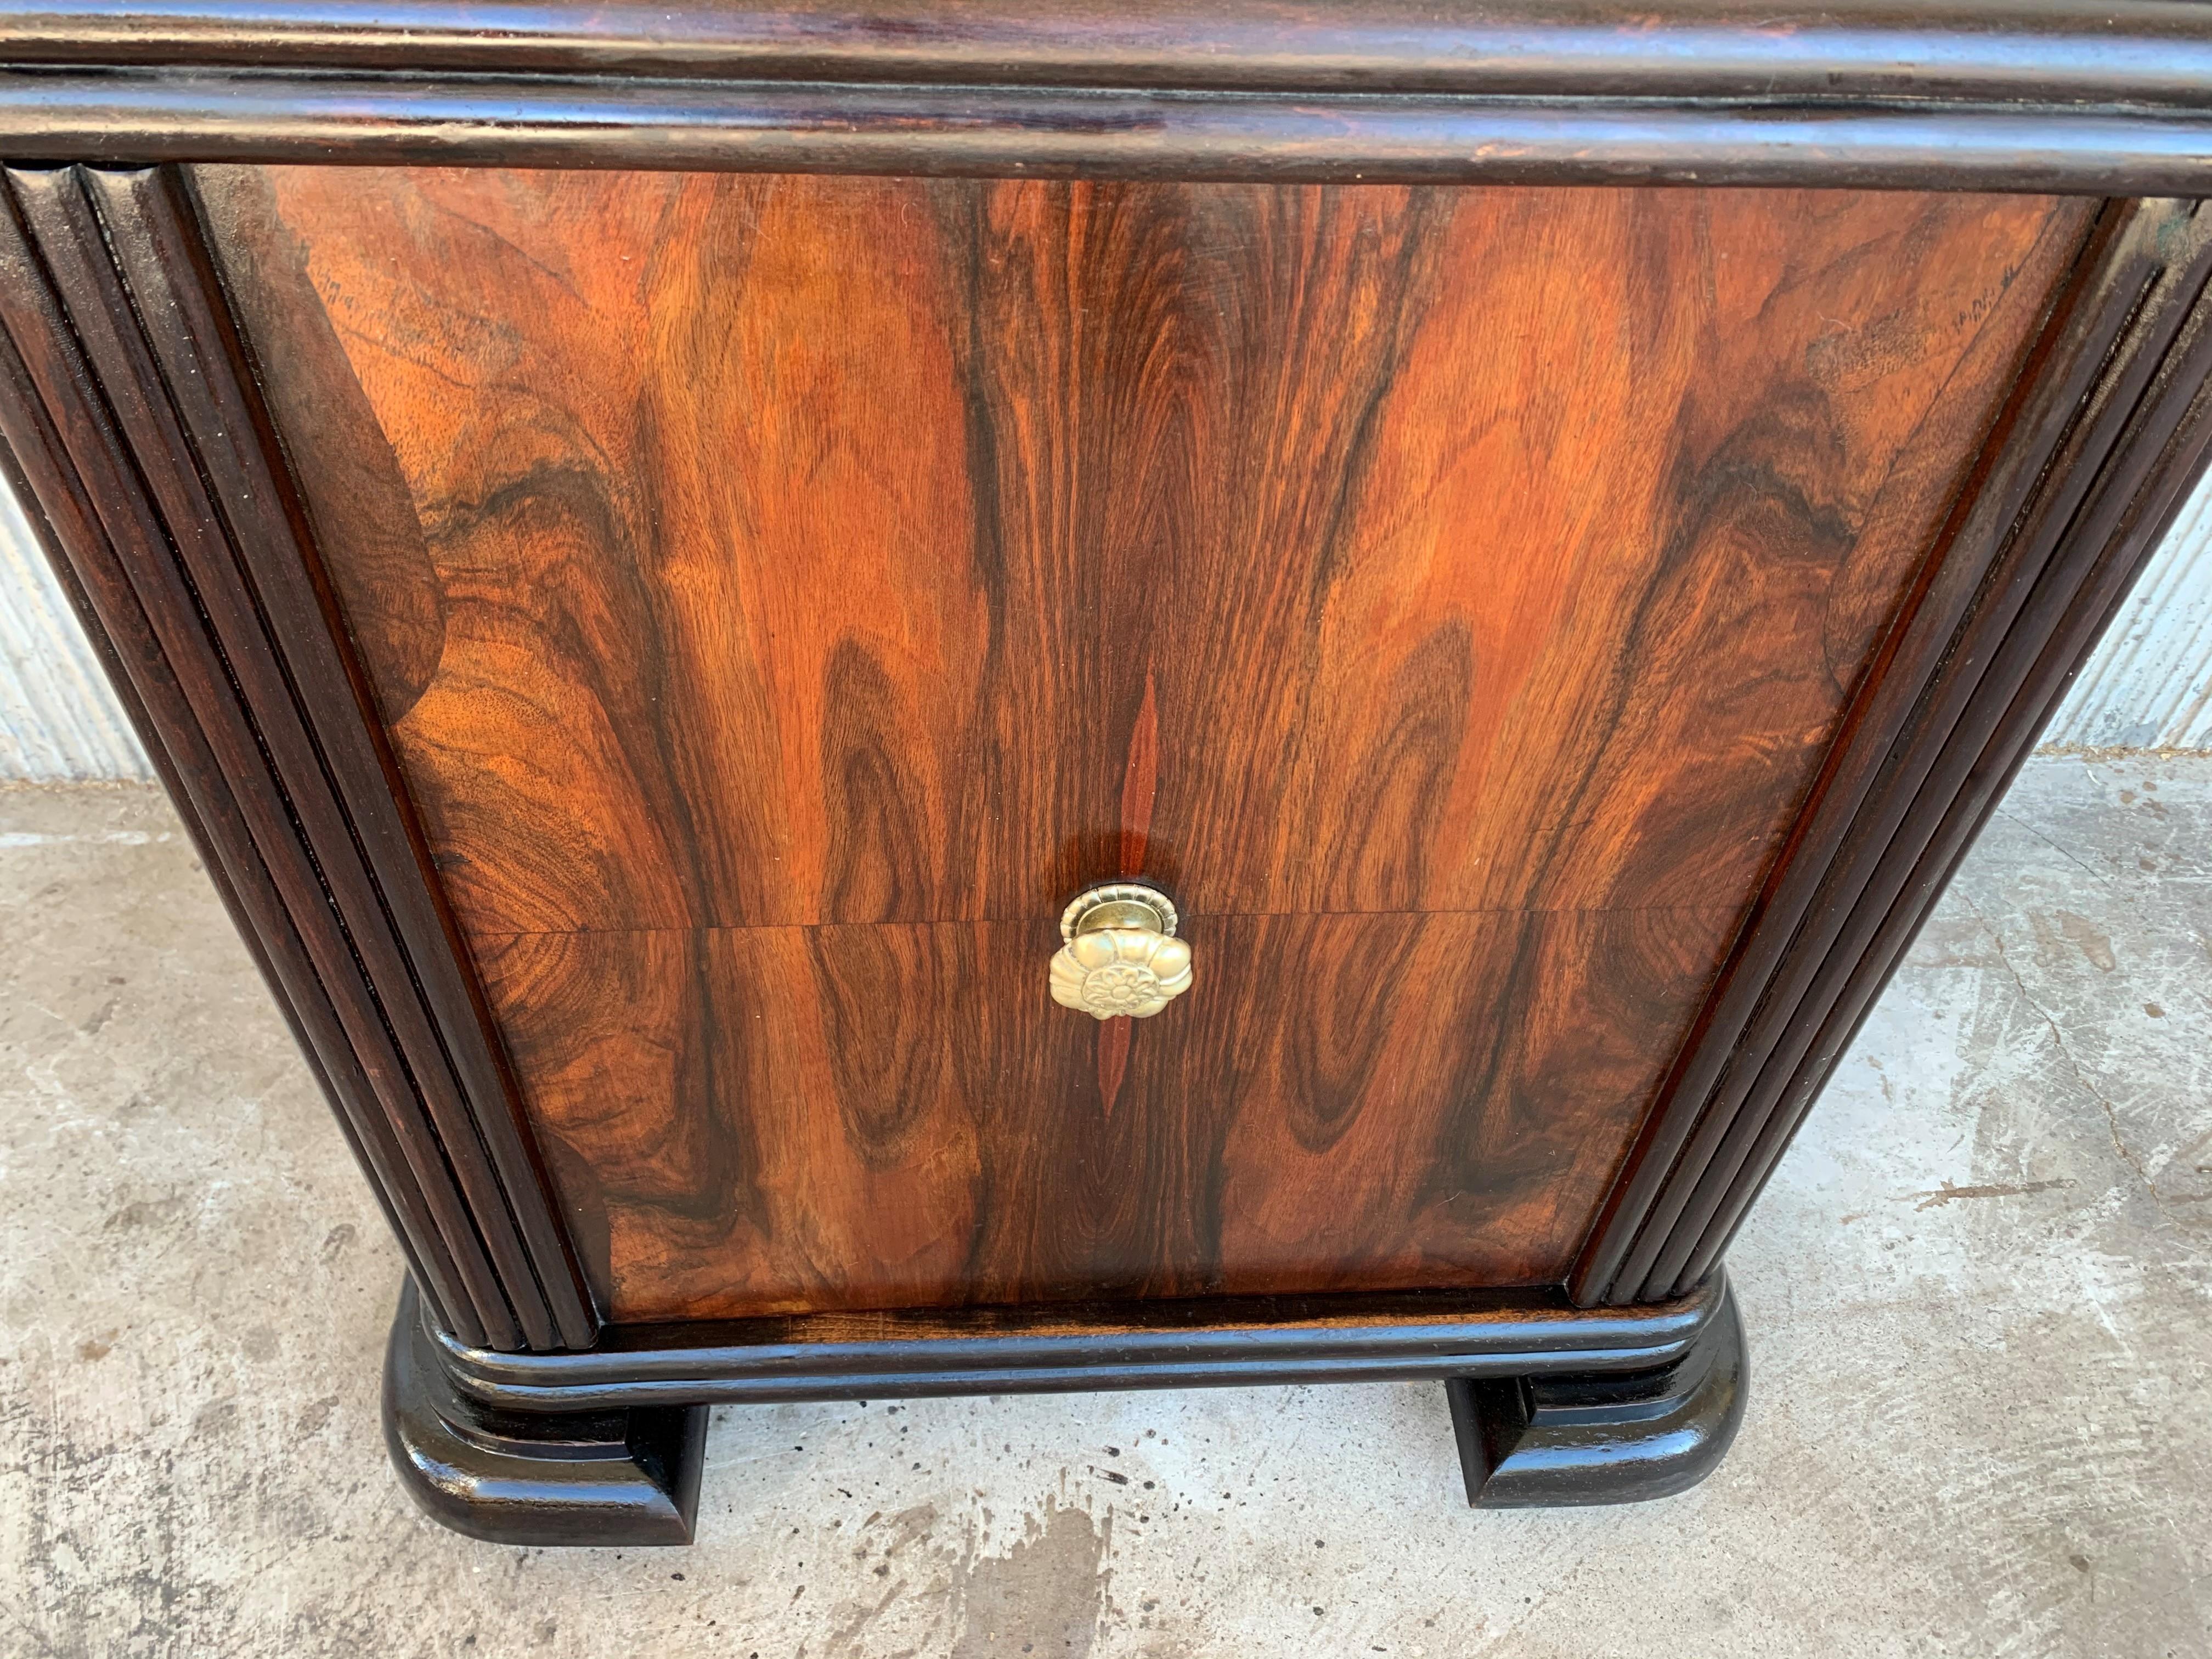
point(1121, 954)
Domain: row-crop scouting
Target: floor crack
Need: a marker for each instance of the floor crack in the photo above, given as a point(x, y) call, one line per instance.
point(2066, 1052)
point(2102, 878)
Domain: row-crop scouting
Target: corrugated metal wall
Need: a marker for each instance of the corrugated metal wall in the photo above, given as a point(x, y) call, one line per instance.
point(2149, 685)
point(57, 719)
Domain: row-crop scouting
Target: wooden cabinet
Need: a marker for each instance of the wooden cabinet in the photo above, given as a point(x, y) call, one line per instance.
point(781, 595)
point(653, 624)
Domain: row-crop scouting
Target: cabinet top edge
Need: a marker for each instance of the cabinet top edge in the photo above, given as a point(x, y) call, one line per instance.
point(2155, 53)
point(2043, 96)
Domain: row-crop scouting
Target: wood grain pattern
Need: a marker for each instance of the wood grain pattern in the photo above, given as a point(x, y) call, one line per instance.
point(780, 1119)
point(783, 593)
point(126, 402)
point(2131, 444)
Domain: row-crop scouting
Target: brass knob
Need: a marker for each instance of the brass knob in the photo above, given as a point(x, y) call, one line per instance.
point(1121, 956)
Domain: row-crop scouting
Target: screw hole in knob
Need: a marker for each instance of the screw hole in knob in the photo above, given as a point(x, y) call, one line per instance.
point(1121, 957)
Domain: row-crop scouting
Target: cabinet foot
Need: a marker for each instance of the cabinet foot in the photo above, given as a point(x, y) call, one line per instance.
point(622, 1478)
point(1600, 1437)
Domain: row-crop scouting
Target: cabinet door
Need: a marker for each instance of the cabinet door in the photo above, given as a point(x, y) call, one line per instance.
point(782, 594)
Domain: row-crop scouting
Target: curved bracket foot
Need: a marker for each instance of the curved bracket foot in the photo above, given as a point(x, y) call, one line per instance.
point(1602, 1437)
point(622, 1478)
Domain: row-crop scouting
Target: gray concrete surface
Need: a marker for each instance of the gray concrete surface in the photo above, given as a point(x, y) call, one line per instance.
point(1980, 1419)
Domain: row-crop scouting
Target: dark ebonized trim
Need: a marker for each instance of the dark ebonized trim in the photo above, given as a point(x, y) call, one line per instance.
point(2129, 51)
point(621, 1477)
point(2131, 503)
point(1602, 1437)
point(63, 487)
point(2060, 500)
point(120, 116)
point(1165, 1344)
point(132, 419)
point(1989, 94)
point(1550, 1405)
point(150, 728)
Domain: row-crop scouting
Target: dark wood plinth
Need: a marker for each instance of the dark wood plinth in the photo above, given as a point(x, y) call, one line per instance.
point(1603, 1437)
point(606, 1477)
point(1552, 1404)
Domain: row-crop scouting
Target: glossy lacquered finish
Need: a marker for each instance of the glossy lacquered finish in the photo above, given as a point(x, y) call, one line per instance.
point(613, 638)
point(619, 1477)
point(1550, 1406)
point(1995, 93)
point(782, 595)
point(1340, 1338)
point(133, 419)
point(2091, 462)
point(1549, 1439)
point(2138, 53)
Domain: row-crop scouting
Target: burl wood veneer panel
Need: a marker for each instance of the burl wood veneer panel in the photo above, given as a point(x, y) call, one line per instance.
point(782, 593)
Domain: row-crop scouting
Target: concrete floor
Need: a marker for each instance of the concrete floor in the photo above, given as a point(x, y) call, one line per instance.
point(1976, 1295)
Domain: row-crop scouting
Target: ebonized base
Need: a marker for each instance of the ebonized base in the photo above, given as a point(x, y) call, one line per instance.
point(1550, 1406)
point(1602, 1437)
point(622, 1478)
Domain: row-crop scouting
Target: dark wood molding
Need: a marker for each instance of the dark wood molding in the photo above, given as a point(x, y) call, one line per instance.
point(1603, 1437)
point(2153, 52)
point(608, 1477)
point(123, 117)
point(127, 401)
point(43, 443)
point(2136, 494)
point(136, 430)
point(1549, 1406)
point(2106, 434)
point(1992, 96)
point(1042, 1349)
